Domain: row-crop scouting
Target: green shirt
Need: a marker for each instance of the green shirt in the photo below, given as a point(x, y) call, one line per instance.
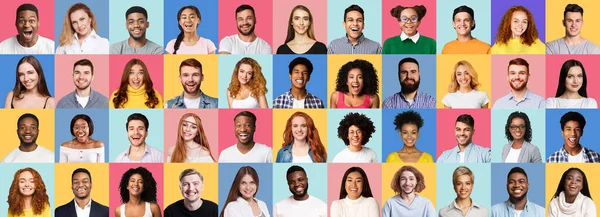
point(395, 45)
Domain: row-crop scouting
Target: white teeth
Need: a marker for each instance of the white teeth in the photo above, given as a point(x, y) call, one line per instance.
point(354, 29)
point(299, 81)
point(571, 139)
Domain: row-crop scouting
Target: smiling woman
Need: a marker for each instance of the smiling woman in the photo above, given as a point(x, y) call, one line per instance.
point(79, 35)
point(300, 35)
point(517, 33)
point(82, 148)
point(136, 88)
point(138, 193)
point(188, 41)
point(241, 200)
point(356, 198)
point(410, 41)
point(572, 197)
point(27, 195)
point(30, 90)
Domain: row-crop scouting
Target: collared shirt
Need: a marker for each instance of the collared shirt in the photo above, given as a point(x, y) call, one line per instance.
point(96, 100)
point(92, 44)
point(241, 208)
point(414, 38)
point(206, 102)
point(85, 212)
point(421, 100)
point(473, 154)
point(151, 155)
point(507, 209)
point(452, 210)
point(530, 100)
point(364, 45)
point(396, 207)
point(562, 156)
point(286, 100)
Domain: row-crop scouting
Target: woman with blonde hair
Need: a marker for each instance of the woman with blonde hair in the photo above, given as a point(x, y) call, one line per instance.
point(192, 144)
point(300, 37)
point(136, 88)
point(301, 141)
point(248, 86)
point(462, 91)
point(517, 34)
point(30, 90)
point(27, 195)
point(79, 35)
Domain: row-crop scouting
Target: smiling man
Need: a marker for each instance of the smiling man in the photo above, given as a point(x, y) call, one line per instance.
point(139, 152)
point(29, 151)
point(82, 205)
point(463, 21)
point(27, 40)
point(572, 42)
point(245, 41)
point(517, 185)
point(136, 22)
point(83, 96)
point(298, 97)
point(191, 77)
point(519, 96)
point(409, 96)
point(300, 204)
point(355, 41)
point(466, 151)
point(572, 124)
point(246, 150)
point(191, 184)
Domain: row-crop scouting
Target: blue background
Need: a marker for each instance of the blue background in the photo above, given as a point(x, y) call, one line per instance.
point(118, 30)
point(554, 132)
point(118, 133)
point(99, 8)
point(335, 144)
point(10, 64)
point(318, 78)
point(46, 170)
point(226, 66)
point(208, 27)
point(227, 172)
point(446, 32)
point(335, 19)
point(317, 180)
point(62, 131)
point(538, 130)
point(481, 188)
point(393, 141)
point(390, 82)
point(536, 174)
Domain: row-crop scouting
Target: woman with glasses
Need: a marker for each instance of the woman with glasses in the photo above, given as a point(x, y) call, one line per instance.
point(410, 41)
point(82, 148)
point(519, 149)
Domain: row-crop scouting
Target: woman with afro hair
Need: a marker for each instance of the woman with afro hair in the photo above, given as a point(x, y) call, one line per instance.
point(356, 86)
point(408, 124)
point(356, 130)
point(138, 194)
point(517, 34)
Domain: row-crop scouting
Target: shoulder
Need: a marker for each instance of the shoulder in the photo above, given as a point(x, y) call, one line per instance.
point(154, 207)
point(171, 43)
point(371, 201)
point(320, 44)
point(262, 147)
point(206, 202)
point(427, 39)
point(393, 39)
point(64, 207)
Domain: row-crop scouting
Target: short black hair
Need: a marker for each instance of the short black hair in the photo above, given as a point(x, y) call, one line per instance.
point(81, 170)
point(87, 119)
point(301, 61)
point(139, 117)
point(573, 8)
point(466, 119)
point(28, 115)
point(408, 117)
point(27, 7)
point(407, 60)
point(295, 168)
point(354, 8)
point(528, 130)
point(244, 7)
point(246, 114)
point(466, 9)
point(136, 9)
point(84, 62)
point(572, 116)
point(516, 170)
point(361, 121)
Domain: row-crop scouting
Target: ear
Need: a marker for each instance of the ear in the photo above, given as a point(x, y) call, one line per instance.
point(147, 24)
point(564, 23)
point(201, 77)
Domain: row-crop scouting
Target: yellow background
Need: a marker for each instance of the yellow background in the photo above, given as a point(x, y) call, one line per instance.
point(10, 139)
point(554, 17)
point(62, 182)
point(445, 68)
point(335, 62)
point(210, 71)
point(389, 169)
point(171, 179)
point(554, 172)
point(280, 117)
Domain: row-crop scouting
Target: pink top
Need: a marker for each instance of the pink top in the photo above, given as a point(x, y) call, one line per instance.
point(341, 104)
point(203, 46)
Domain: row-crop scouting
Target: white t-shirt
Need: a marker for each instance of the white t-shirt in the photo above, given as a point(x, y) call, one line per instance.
point(578, 158)
point(365, 155)
point(298, 103)
point(462, 156)
point(12, 46)
point(234, 45)
point(191, 103)
point(311, 207)
point(301, 159)
point(82, 100)
point(518, 213)
point(513, 155)
point(571, 103)
point(473, 99)
point(260, 153)
point(202, 46)
point(361, 207)
point(39, 155)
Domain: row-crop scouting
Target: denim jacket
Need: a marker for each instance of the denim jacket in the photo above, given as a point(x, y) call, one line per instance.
point(284, 155)
point(206, 102)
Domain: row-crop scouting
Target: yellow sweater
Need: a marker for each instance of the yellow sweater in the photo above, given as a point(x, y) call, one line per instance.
point(29, 213)
point(514, 46)
point(136, 98)
point(394, 158)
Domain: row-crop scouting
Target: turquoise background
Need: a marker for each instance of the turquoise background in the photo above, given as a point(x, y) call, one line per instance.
point(119, 141)
point(445, 30)
point(481, 188)
point(226, 66)
point(335, 19)
point(335, 144)
point(46, 170)
point(317, 180)
point(118, 31)
point(537, 117)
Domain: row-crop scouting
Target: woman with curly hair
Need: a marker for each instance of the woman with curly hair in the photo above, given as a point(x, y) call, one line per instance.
point(30, 90)
point(301, 141)
point(517, 34)
point(356, 198)
point(572, 197)
point(138, 194)
point(82, 148)
point(462, 91)
point(192, 144)
point(406, 183)
point(571, 91)
point(248, 86)
point(410, 41)
point(356, 86)
point(356, 130)
point(136, 88)
point(79, 35)
point(300, 34)
point(188, 41)
point(519, 149)
point(241, 200)
point(408, 125)
point(27, 195)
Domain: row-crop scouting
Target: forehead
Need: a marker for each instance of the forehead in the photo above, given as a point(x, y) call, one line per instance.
point(190, 69)
point(575, 70)
point(407, 173)
point(300, 12)
point(353, 127)
point(80, 121)
point(299, 119)
point(243, 119)
point(135, 123)
point(517, 176)
point(82, 68)
point(409, 12)
point(519, 15)
point(355, 175)
point(245, 13)
point(245, 67)
point(135, 176)
point(136, 67)
point(517, 120)
point(190, 119)
point(409, 65)
point(462, 16)
point(78, 13)
point(25, 66)
point(572, 123)
point(515, 67)
point(25, 175)
point(136, 15)
point(296, 175)
point(355, 71)
point(573, 15)
point(300, 67)
point(191, 178)
point(574, 173)
point(81, 175)
point(27, 14)
point(354, 14)
point(27, 121)
point(464, 178)
point(462, 125)
point(188, 11)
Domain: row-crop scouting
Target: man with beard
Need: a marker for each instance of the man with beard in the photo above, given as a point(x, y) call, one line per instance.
point(466, 151)
point(191, 184)
point(519, 96)
point(354, 42)
point(83, 96)
point(29, 151)
point(139, 152)
point(298, 97)
point(517, 185)
point(245, 41)
point(572, 124)
point(136, 23)
point(246, 150)
point(572, 43)
point(27, 41)
point(409, 97)
point(82, 205)
point(300, 204)
point(191, 77)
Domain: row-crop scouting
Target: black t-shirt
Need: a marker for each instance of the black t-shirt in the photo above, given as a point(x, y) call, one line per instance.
point(207, 209)
point(317, 48)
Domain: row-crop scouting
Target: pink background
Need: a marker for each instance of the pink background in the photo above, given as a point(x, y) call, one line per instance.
point(63, 68)
point(537, 74)
point(263, 11)
point(45, 17)
point(116, 172)
point(153, 62)
point(282, 10)
point(590, 63)
point(446, 119)
point(264, 127)
point(209, 121)
point(390, 24)
point(336, 173)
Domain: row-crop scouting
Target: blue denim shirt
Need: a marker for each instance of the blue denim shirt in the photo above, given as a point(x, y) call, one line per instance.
point(206, 102)
point(473, 154)
point(284, 155)
point(506, 209)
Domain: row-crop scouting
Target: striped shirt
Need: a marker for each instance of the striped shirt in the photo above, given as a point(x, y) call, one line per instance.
point(344, 46)
point(421, 100)
point(561, 156)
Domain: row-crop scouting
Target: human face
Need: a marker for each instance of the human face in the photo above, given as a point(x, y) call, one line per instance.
point(408, 182)
point(354, 25)
point(463, 185)
point(82, 77)
point(28, 131)
point(572, 132)
point(136, 76)
point(299, 129)
point(28, 76)
point(81, 130)
point(355, 81)
point(189, 128)
point(137, 132)
point(574, 79)
point(27, 26)
point(26, 184)
point(517, 186)
point(299, 76)
point(191, 79)
point(518, 76)
point(518, 23)
point(573, 23)
point(189, 20)
point(517, 129)
point(300, 21)
point(191, 187)
point(409, 21)
point(247, 187)
point(463, 23)
point(298, 184)
point(244, 130)
point(573, 183)
point(410, 77)
point(81, 23)
point(135, 185)
point(355, 136)
point(136, 26)
point(464, 133)
point(463, 77)
point(354, 185)
point(245, 22)
point(409, 134)
point(245, 73)
point(81, 185)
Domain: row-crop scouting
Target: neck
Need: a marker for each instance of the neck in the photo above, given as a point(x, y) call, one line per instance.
point(250, 200)
point(570, 95)
point(137, 43)
point(81, 202)
point(301, 37)
point(248, 38)
point(298, 93)
point(138, 149)
point(300, 143)
point(83, 37)
point(135, 200)
point(515, 36)
point(519, 203)
point(190, 36)
point(463, 202)
point(23, 43)
point(409, 198)
point(410, 96)
point(409, 149)
point(519, 94)
point(245, 148)
point(462, 148)
point(353, 41)
point(83, 92)
point(192, 95)
point(27, 201)
point(191, 144)
point(192, 205)
point(29, 148)
point(570, 199)
point(354, 148)
point(301, 198)
point(518, 144)
point(573, 40)
point(573, 151)
point(465, 89)
point(464, 38)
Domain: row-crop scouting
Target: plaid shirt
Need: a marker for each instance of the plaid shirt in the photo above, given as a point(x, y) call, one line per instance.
point(561, 156)
point(286, 100)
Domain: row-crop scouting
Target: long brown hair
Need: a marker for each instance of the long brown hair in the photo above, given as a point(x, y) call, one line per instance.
point(179, 153)
point(121, 95)
point(257, 84)
point(66, 36)
point(504, 33)
point(312, 136)
point(234, 191)
point(19, 89)
point(291, 33)
point(39, 199)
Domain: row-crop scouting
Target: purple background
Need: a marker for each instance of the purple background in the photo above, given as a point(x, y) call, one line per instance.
point(536, 7)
